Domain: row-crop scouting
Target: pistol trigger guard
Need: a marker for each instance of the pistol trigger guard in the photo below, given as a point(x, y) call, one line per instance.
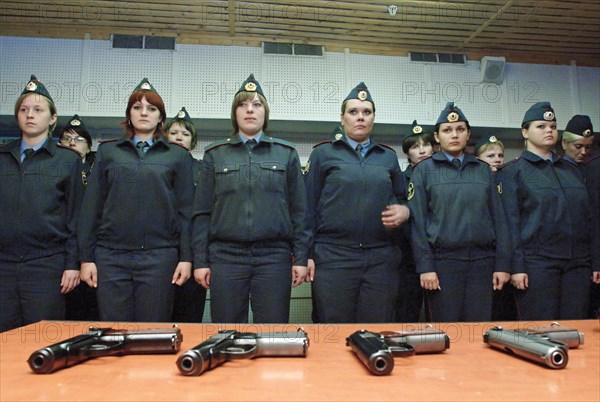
point(402, 350)
point(239, 352)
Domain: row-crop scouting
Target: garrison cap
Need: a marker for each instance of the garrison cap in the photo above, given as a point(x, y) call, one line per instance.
point(36, 87)
point(360, 92)
point(182, 115)
point(451, 114)
point(487, 139)
point(145, 84)
point(251, 85)
point(539, 111)
point(578, 127)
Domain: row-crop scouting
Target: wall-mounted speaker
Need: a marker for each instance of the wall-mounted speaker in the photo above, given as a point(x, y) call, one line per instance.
point(492, 70)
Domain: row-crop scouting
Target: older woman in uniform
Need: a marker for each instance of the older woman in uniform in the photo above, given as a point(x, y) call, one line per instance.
point(458, 237)
point(355, 188)
point(40, 195)
point(134, 227)
point(547, 208)
point(250, 233)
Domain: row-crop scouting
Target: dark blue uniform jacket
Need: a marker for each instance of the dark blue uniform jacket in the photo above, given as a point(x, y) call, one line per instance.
point(547, 208)
point(346, 195)
point(247, 197)
point(39, 202)
point(135, 202)
point(456, 213)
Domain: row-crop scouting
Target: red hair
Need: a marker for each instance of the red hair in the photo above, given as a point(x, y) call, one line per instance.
point(152, 98)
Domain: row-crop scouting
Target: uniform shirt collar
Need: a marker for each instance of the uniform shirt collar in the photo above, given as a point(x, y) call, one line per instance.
point(365, 144)
point(136, 139)
point(36, 147)
point(245, 139)
point(451, 158)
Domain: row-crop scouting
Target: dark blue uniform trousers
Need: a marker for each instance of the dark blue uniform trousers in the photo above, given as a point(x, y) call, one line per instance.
point(259, 273)
point(136, 285)
point(355, 285)
point(558, 289)
point(466, 293)
point(30, 291)
point(189, 302)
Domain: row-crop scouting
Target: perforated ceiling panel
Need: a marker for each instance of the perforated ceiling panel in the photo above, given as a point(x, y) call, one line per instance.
point(395, 84)
point(207, 77)
point(537, 83)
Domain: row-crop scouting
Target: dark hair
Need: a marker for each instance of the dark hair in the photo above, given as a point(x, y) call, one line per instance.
point(414, 138)
point(242, 97)
point(152, 98)
point(80, 131)
point(51, 106)
point(189, 127)
point(345, 102)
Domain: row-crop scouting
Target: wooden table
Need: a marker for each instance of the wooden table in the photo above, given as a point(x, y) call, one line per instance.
point(469, 370)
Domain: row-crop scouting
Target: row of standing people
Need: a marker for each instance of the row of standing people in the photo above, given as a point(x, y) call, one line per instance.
point(256, 224)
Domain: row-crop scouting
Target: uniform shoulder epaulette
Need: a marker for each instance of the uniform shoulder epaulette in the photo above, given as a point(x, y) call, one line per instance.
point(386, 146)
point(322, 142)
point(215, 145)
point(283, 142)
point(429, 157)
point(69, 148)
point(179, 145)
point(100, 142)
point(591, 159)
point(509, 162)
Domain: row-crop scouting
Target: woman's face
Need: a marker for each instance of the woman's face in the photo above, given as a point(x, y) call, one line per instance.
point(578, 150)
point(541, 136)
point(181, 135)
point(250, 116)
point(453, 137)
point(358, 119)
point(419, 151)
point(493, 155)
point(73, 140)
point(144, 117)
point(34, 116)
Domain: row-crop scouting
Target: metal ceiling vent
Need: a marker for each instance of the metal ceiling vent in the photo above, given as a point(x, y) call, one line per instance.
point(492, 69)
point(292, 49)
point(448, 58)
point(142, 42)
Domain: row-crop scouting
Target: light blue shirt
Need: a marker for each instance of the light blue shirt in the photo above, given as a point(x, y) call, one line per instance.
point(24, 146)
point(451, 158)
point(365, 145)
point(150, 141)
point(246, 139)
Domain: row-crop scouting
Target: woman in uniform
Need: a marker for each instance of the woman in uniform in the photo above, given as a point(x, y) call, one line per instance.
point(458, 237)
point(355, 188)
point(40, 196)
point(417, 146)
point(81, 302)
point(490, 150)
point(190, 297)
point(250, 233)
point(134, 228)
point(547, 208)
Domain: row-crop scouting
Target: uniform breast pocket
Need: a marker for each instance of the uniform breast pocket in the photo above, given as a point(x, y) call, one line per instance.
point(272, 176)
point(227, 178)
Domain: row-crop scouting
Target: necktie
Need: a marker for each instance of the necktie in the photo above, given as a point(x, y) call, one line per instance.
point(456, 162)
point(250, 144)
point(28, 152)
point(358, 150)
point(142, 146)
